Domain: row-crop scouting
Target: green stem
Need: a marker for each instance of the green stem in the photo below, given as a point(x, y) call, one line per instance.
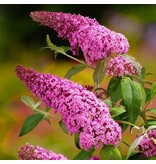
point(45, 113)
point(142, 114)
point(80, 61)
point(128, 123)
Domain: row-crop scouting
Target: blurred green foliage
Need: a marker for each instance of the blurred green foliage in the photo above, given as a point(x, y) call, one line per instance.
point(20, 42)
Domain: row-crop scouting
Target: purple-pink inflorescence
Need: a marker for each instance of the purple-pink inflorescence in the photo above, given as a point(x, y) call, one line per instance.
point(95, 158)
point(81, 111)
point(147, 145)
point(31, 152)
point(96, 41)
point(120, 66)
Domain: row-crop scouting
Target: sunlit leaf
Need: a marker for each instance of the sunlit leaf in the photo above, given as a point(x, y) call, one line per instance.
point(133, 146)
point(53, 47)
point(152, 122)
point(154, 140)
point(99, 73)
point(37, 104)
point(143, 70)
point(151, 128)
point(46, 117)
point(108, 102)
point(110, 153)
point(30, 123)
point(74, 70)
point(153, 90)
point(115, 111)
point(84, 155)
point(28, 101)
point(153, 110)
point(63, 127)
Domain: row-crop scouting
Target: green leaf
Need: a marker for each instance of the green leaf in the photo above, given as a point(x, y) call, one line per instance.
point(133, 146)
point(63, 127)
point(99, 73)
point(152, 122)
point(154, 140)
point(30, 123)
point(115, 111)
point(132, 97)
point(135, 64)
point(151, 128)
point(153, 110)
point(46, 117)
point(114, 89)
point(84, 155)
point(143, 70)
point(143, 97)
point(153, 158)
point(153, 90)
point(110, 153)
point(136, 156)
point(148, 94)
point(53, 47)
point(76, 140)
point(108, 102)
point(47, 109)
point(28, 101)
point(74, 70)
point(37, 104)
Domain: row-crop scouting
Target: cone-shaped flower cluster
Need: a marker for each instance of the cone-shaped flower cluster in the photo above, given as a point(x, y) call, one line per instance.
point(96, 41)
point(81, 111)
point(31, 152)
point(120, 66)
point(147, 145)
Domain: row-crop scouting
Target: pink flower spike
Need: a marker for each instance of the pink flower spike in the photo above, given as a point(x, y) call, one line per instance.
point(30, 152)
point(121, 66)
point(96, 41)
point(81, 111)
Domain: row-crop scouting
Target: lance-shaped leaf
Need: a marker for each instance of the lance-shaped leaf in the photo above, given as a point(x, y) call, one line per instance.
point(28, 101)
point(151, 128)
point(76, 140)
point(153, 110)
point(99, 73)
point(110, 153)
point(114, 89)
point(53, 47)
point(37, 104)
point(74, 70)
point(133, 146)
point(63, 127)
point(84, 155)
point(132, 97)
point(30, 123)
point(153, 90)
point(115, 111)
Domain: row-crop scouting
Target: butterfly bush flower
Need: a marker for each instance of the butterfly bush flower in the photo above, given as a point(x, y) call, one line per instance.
point(96, 41)
point(120, 66)
point(95, 158)
point(31, 152)
point(147, 146)
point(81, 111)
